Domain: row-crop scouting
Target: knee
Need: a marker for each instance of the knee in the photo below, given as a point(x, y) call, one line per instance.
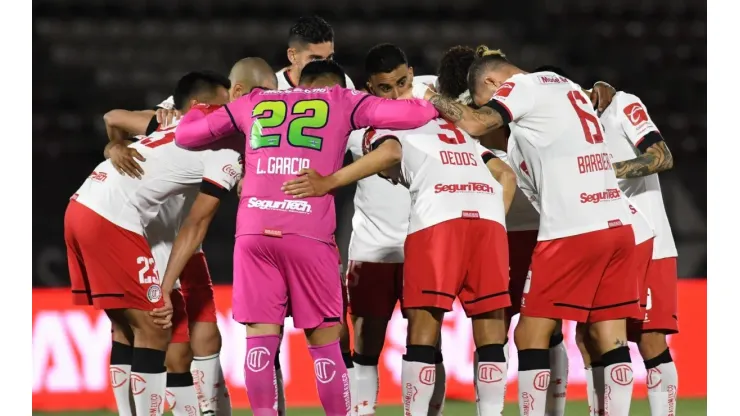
point(423, 329)
point(147, 334)
point(179, 357)
point(205, 339)
point(652, 344)
point(533, 333)
point(370, 335)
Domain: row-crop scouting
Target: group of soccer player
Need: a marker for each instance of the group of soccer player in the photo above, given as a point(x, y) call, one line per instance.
point(515, 192)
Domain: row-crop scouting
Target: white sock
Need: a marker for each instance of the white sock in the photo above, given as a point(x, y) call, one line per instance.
point(437, 402)
point(280, 390)
point(534, 379)
point(352, 374)
point(121, 383)
point(556, 392)
point(590, 392)
point(618, 381)
point(149, 392)
point(181, 396)
point(490, 380)
point(662, 382)
point(417, 380)
point(366, 379)
point(206, 371)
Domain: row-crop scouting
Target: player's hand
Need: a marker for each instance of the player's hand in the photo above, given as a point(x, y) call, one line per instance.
point(163, 316)
point(602, 95)
point(166, 117)
point(124, 159)
point(310, 183)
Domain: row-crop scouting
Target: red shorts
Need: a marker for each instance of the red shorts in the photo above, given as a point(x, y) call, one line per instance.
point(374, 288)
point(464, 258)
point(521, 246)
point(659, 297)
point(197, 289)
point(180, 332)
point(109, 267)
point(586, 277)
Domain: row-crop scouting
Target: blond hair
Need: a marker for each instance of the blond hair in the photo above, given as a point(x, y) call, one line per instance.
point(483, 50)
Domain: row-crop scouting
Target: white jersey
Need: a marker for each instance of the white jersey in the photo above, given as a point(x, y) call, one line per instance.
point(562, 143)
point(626, 122)
point(168, 171)
point(524, 213)
point(382, 210)
point(284, 82)
point(429, 80)
point(445, 172)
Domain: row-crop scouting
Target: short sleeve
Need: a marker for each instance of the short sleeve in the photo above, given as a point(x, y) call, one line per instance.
point(373, 138)
point(222, 170)
point(168, 104)
point(513, 100)
point(636, 122)
point(348, 81)
point(485, 153)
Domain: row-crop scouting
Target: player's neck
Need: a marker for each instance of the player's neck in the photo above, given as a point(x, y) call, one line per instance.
point(292, 76)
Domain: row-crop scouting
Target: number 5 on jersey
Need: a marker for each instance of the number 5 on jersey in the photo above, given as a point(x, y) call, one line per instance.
point(311, 114)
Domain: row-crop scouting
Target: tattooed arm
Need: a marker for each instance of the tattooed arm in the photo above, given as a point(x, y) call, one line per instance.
point(474, 122)
point(657, 158)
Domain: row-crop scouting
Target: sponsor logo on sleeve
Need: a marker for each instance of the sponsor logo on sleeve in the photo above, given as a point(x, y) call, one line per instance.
point(636, 114)
point(504, 90)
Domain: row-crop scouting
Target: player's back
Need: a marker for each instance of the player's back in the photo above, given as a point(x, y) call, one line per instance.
point(446, 175)
point(288, 131)
point(562, 142)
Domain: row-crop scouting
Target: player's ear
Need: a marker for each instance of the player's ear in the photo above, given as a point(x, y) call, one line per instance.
point(292, 55)
point(411, 73)
point(369, 88)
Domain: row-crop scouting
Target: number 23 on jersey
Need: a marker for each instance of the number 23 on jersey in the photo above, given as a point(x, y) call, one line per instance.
point(270, 116)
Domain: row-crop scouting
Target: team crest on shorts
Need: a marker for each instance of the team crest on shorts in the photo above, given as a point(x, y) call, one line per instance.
point(154, 293)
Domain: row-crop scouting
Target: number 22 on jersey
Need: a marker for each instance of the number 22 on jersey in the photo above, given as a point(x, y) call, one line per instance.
point(309, 114)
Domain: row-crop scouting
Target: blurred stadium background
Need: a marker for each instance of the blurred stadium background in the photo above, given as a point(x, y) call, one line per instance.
point(94, 55)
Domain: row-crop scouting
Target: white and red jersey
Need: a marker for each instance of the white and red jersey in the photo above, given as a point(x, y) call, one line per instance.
point(562, 144)
point(381, 219)
point(284, 82)
point(629, 132)
point(168, 171)
point(524, 213)
point(445, 172)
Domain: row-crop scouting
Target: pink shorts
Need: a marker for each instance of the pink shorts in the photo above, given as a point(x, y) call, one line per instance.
point(275, 275)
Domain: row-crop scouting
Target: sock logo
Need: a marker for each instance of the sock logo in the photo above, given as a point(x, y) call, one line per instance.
point(654, 378)
point(527, 404)
point(155, 405)
point(325, 370)
point(258, 359)
point(541, 380)
point(622, 374)
point(118, 377)
point(490, 373)
point(171, 398)
point(427, 375)
point(138, 384)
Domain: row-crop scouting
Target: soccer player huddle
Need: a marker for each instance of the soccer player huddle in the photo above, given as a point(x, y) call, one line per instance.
point(514, 192)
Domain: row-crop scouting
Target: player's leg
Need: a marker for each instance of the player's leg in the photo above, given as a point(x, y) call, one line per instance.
point(181, 395)
point(557, 391)
point(594, 369)
point(121, 357)
point(616, 300)
point(310, 269)
point(373, 293)
point(346, 346)
point(660, 320)
point(260, 301)
point(205, 338)
point(485, 297)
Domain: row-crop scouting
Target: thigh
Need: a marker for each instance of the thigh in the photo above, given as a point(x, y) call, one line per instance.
point(259, 291)
point(310, 269)
point(434, 265)
point(618, 296)
point(373, 288)
point(197, 289)
point(521, 247)
point(79, 282)
point(486, 285)
point(180, 332)
point(662, 297)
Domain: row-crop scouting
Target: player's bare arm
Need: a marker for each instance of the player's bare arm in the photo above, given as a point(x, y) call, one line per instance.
point(189, 238)
point(474, 122)
point(657, 158)
point(506, 177)
point(311, 183)
point(122, 124)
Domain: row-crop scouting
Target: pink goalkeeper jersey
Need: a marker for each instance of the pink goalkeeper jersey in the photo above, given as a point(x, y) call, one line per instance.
point(291, 130)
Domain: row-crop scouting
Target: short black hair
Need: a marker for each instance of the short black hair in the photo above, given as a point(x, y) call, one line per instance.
point(452, 73)
point(486, 59)
point(198, 84)
point(384, 58)
point(310, 30)
point(324, 68)
point(552, 68)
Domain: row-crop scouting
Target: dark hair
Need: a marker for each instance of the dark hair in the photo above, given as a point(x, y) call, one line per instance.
point(551, 68)
point(310, 30)
point(452, 73)
point(384, 58)
point(198, 84)
point(318, 69)
point(486, 59)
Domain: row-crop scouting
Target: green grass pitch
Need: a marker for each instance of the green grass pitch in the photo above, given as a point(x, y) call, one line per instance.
point(693, 407)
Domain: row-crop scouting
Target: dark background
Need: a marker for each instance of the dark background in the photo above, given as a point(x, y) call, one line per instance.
point(91, 56)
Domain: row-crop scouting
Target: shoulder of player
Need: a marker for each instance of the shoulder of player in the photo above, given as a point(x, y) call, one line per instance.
point(425, 79)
